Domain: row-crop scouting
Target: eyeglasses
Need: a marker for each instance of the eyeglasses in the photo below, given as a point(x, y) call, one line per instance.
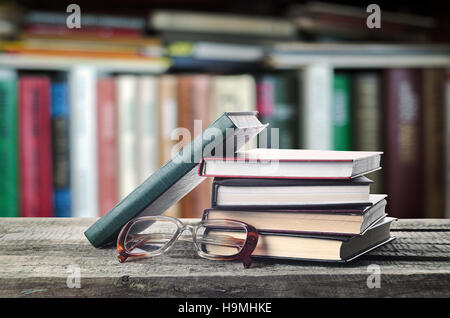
point(213, 239)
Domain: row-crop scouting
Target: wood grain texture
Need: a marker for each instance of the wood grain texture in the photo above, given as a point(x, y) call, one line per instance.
point(35, 255)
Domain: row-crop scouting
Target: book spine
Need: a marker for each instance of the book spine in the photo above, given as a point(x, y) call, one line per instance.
point(35, 147)
point(265, 105)
point(403, 140)
point(126, 105)
point(60, 149)
point(367, 119)
point(107, 144)
point(147, 127)
point(193, 105)
point(434, 148)
point(9, 173)
point(277, 105)
point(233, 93)
point(83, 141)
point(342, 129)
point(167, 112)
point(316, 115)
point(447, 143)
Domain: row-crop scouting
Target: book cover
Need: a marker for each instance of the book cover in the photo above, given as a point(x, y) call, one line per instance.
point(35, 153)
point(126, 86)
point(177, 177)
point(403, 142)
point(107, 144)
point(60, 148)
point(193, 109)
point(83, 141)
point(277, 104)
point(367, 124)
point(342, 125)
point(434, 142)
point(9, 173)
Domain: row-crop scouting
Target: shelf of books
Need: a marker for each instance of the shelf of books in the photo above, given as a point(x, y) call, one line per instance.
point(85, 117)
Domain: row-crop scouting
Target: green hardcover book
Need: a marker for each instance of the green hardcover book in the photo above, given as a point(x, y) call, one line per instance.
point(178, 176)
point(9, 191)
point(342, 135)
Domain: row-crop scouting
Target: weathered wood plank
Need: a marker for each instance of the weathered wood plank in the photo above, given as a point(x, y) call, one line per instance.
point(35, 255)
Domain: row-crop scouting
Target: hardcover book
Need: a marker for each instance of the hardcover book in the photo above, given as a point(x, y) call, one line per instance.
point(9, 172)
point(35, 153)
point(342, 126)
point(292, 163)
point(107, 144)
point(305, 246)
point(168, 118)
point(403, 142)
point(332, 219)
point(60, 148)
point(367, 118)
point(281, 193)
point(193, 104)
point(434, 142)
point(126, 141)
point(277, 105)
point(177, 177)
point(83, 141)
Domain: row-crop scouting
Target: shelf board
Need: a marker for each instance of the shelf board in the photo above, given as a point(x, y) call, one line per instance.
point(63, 63)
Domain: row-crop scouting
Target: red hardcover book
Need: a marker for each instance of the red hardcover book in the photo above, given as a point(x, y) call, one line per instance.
point(403, 142)
point(35, 146)
point(107, 144)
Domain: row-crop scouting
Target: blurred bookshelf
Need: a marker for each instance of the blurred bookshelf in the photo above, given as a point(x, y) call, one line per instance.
point(88, 114)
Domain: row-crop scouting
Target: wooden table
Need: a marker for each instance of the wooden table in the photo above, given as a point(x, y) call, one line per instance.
point(38, 257)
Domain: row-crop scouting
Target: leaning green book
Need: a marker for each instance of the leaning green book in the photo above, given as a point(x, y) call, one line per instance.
point(178, 176)
point(9, 188)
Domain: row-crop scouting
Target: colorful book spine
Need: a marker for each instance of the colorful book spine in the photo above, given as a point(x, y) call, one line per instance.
point(107, 144)
point(193, 105)
point(35, 153)
point(60, 149)
point(9, 173)
point(447, 143)
point(233, 93)
point(147, 127)
point(83, 141)
point(403, 142)
point(342, 128)
point(277, 106)
point(167, 110)
point(434, 145)
point(316, 117)
point(367, 119)
point(126, 109)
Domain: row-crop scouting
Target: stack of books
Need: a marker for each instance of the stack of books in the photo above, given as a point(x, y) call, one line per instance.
point(305, 204)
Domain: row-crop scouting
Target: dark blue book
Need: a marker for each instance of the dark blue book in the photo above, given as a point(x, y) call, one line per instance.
point(60, 149)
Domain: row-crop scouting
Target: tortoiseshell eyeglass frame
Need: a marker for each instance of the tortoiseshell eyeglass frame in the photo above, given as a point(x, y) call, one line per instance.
point(243, 254)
